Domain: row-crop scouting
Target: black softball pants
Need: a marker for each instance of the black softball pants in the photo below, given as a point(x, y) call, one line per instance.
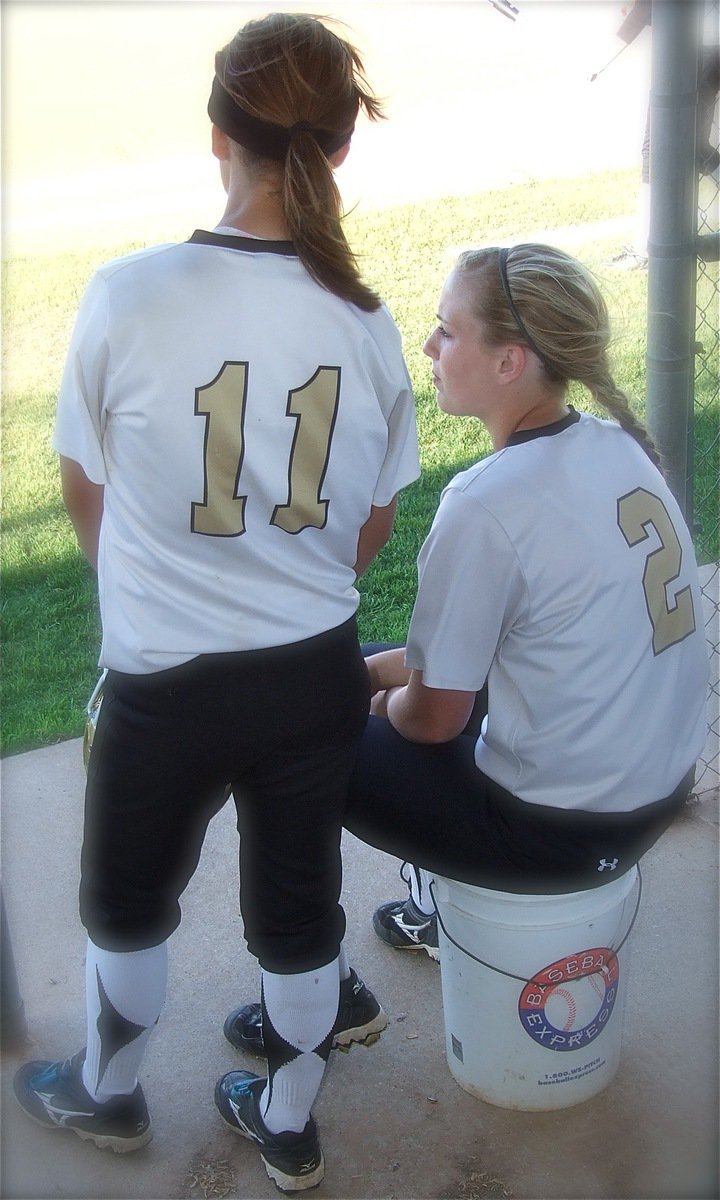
point(430, 805)
point(281, 726)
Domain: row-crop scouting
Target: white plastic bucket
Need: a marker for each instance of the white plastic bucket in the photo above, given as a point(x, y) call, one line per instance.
point(537, 1024)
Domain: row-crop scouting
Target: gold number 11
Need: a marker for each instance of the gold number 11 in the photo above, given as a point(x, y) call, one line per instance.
point(222, 403)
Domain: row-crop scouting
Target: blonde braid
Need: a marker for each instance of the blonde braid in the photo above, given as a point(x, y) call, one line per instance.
point(609, 396)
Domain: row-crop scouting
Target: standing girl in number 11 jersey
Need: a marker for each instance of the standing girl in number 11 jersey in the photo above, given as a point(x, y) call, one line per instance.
point(234, 424)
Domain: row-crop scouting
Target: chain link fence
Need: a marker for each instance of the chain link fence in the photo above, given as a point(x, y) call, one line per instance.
point(706, 442)
point(706, 439)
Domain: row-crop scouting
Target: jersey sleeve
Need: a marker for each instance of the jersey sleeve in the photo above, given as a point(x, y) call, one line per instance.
point(401, 465)
point(402, 461)
point(470, 591)
point(79, 420)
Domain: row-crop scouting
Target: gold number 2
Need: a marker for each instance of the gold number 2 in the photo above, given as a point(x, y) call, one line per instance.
point(222, 403)
point(671, 622)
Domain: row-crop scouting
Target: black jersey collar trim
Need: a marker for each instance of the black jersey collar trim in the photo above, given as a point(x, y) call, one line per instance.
point(527, 435)
point(203, 237)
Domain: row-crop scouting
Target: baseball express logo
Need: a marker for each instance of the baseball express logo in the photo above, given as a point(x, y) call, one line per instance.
point(566, 1005)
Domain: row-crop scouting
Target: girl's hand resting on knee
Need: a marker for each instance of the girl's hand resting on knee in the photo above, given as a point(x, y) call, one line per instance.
point(387, 670)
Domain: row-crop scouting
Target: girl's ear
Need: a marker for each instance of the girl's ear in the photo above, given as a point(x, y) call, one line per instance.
point(338, 158)
point(220, 144)
point(512, 360)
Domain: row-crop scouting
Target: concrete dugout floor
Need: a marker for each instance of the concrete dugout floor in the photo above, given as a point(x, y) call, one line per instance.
point(394, 1123)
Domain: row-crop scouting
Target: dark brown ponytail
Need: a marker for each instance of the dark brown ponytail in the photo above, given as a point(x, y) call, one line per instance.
point(293, 72)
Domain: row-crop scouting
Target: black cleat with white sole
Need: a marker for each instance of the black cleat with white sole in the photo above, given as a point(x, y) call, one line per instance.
point(400, 924)
point(360, 1020)
point(53, 1095)
point(294, 1161)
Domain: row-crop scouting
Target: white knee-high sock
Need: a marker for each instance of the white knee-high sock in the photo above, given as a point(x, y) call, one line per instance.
point(343, 964)
point(124, 994)
point(419, 884)
point(298, 1015)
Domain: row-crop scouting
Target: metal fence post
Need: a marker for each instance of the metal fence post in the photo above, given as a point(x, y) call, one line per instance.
point(671, 247)
point(13, 1027)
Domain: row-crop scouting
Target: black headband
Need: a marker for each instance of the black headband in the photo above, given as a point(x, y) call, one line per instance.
point(264, 138)
point(502, 264)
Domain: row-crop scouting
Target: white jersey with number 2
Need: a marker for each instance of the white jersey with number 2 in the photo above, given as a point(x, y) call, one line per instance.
point(560, 569)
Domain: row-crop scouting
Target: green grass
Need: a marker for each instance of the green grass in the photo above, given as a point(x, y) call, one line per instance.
point(49, 610)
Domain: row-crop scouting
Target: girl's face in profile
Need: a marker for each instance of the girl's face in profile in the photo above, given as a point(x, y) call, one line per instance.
point(462, 362)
